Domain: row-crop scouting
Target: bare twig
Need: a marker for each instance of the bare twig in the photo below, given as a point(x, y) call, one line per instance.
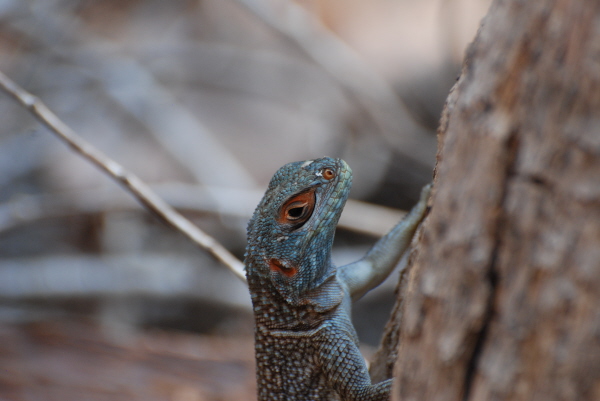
point(190, 142)
point(127, 179)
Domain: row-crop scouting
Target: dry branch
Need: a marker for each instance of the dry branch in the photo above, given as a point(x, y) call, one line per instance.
point(127, 179)
point(190, 143)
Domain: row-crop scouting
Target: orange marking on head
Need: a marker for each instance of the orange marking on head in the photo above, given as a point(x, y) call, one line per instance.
point(276, 266)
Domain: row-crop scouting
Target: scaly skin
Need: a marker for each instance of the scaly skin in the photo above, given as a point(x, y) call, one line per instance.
point(306, 346)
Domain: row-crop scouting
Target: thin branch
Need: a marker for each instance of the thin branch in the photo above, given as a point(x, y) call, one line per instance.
point(182, 135)
point(127, 179)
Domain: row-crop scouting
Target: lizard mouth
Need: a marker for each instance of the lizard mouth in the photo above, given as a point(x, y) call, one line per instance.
point(331, 199)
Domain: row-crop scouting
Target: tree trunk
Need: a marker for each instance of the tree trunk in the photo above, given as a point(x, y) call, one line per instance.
point(503, 298)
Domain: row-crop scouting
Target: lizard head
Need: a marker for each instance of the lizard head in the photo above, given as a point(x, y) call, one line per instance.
point(291, 232)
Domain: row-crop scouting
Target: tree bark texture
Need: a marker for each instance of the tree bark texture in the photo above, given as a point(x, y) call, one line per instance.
point(503, 299)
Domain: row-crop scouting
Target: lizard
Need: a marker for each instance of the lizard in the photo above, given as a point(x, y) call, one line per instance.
point(306, 347)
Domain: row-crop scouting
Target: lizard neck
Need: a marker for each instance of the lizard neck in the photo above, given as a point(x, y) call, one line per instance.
point(273, 312)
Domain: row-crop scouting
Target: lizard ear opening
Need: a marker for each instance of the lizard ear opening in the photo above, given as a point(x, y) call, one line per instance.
point(298, 209)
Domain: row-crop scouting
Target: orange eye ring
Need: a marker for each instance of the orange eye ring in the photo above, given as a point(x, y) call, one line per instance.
point(328, 174)
point(297, 209)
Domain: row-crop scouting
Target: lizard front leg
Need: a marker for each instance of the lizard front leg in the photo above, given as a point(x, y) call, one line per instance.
point(367, 273)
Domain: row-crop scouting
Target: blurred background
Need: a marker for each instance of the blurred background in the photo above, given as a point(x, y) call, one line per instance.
point(204, 100)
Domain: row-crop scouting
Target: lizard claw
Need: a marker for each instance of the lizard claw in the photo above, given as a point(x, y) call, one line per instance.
point(426, 192)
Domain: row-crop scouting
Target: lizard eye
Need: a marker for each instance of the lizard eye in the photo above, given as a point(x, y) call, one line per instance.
point(328, 174)
point(298, 209)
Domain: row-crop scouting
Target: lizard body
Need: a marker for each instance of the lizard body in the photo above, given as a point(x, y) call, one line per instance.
point(306, 347)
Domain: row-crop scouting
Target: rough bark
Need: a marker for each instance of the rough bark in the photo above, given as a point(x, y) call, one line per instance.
point(382, 363)
point(503, 299)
